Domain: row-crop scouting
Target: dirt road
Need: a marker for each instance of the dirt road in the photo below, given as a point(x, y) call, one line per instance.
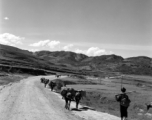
point(29, 100)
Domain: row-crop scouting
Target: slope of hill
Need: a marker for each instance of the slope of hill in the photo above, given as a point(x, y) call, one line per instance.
point(61, 57)
point(73, 62)
point(107, 63)
point(104, 62)
point(140, 60)
point(13, 56)
point(140, 65)
point(14, 59)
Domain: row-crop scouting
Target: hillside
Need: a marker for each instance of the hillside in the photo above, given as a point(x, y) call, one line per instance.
point(14, 56)
point(13, 59)
point(61, 57)
point(140, 65)
point(65, 61)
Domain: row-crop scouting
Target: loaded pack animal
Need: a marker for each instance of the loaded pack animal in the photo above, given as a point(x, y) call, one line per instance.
point(52, 85)
point(78, 96)
point(67, 95)
point(42, 80)
point(46, 81)
point(68, 99)
point(83, 93)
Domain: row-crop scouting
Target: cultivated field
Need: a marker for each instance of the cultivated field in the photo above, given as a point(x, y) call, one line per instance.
point(101, 94)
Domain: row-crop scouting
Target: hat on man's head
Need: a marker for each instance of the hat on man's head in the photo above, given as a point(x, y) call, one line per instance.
point(123, 89)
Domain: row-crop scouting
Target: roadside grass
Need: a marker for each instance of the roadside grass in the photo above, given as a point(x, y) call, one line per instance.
point(6, 78)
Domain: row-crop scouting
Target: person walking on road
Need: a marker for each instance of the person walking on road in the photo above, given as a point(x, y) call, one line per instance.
point(124, 103)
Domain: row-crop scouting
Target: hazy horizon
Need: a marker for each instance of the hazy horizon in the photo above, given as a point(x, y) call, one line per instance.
point(91, 27)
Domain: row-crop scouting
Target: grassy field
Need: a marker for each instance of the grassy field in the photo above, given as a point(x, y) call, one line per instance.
point(6, 78)
point(101, 94)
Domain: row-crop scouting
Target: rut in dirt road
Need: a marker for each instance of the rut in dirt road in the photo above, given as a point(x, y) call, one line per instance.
point(29, 100)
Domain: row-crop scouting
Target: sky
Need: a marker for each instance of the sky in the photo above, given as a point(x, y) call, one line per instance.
point(91, 27)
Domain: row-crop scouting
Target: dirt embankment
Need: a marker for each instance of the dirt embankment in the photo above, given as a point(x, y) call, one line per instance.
point(29, 100)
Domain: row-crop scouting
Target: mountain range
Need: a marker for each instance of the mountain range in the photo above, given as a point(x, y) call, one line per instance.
point(74, 62)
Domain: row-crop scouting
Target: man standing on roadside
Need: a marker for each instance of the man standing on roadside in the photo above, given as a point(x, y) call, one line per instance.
point(124, 103)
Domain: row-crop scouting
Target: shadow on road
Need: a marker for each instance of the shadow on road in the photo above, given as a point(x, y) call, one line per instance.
point(85, 108)
point(75, 109)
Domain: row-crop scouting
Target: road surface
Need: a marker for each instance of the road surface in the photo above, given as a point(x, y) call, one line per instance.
point(29, 100)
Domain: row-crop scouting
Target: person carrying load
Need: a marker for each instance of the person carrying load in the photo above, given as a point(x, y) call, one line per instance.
point(124, 103)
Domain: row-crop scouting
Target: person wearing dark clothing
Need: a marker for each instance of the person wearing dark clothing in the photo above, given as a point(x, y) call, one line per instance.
point(124, 103)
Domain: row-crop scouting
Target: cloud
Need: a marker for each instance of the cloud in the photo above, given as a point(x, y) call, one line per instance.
point(34, 50)
point(67, 48)
point(80, 51)
point(40, 43)
point(53, 43)
point(49, 43)
point(6, 18)
point(93, 51)
point(10, 39)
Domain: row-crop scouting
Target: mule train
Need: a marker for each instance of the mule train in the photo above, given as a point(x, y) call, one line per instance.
point(68, 94)
point(48, 82)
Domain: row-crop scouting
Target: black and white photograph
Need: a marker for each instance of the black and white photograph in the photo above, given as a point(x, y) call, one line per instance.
point(75, 59)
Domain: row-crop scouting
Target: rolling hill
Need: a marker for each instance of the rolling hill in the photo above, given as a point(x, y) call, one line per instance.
point(73, 62)
point(69, 58)
point(13, 59)
point(140, 65)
